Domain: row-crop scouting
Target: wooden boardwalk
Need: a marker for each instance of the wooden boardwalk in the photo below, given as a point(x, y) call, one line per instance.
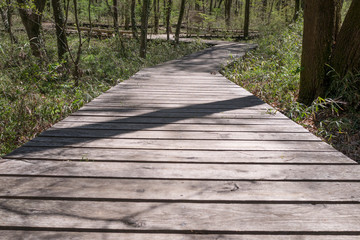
point(178, 153)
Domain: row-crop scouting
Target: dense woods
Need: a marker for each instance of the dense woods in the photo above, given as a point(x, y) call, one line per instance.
point(80, 48)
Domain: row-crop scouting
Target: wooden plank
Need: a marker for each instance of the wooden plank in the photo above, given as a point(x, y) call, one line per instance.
point(180, 120)
point(222, 113)
point(181, 216)
point(181, 156)
point(180, 191)
point(217, 107)
point(183, 127)
point(166, 100)
point(161, 114)
point(183, 144)
point(61, 235)
point(196, 135)
point(181, 171)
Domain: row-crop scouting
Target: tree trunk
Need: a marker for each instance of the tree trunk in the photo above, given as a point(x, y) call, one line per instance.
point(133, 19)
point(211, 7)
point(264, 7)
point(338, 16)
point(6, 15)
point(220, 2)
point(228, 12)
point(270, 11)
point(116, 16)
point(319, 29)
point(197, 6)
point(247, 19)
point(127, 15)
point(62, 44)
point(346, 55)
point(297, 9)
point(181, 16)
point(156, 16)
point(144, 27)
point(168, 17)
point(31, 19)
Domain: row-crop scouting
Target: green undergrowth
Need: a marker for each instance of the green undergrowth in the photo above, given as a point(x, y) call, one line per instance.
point(272, 72)
point(35, 95)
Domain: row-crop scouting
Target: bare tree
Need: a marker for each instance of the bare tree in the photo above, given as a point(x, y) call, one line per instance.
point(228, 4)
point(297, 9)
point(247, 19)
point(168, 17)
point(60, 27)
point(6, 15)
point(116, 16)
point(133, 19)
point(181, 16)
point(31, 19)
point(156, 16)
point(144, 27)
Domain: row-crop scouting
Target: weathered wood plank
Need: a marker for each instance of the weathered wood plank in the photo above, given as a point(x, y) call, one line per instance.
point(61, 235)
point(64, 132)
point(184, 144)
point(250, 114)
point(164, 100)
point(155, 155)
point(190, 112)
point(170, 190)
point(181, 171)
point(181, 216)
point(145, 119)
point(257, 105)
point(184, 127)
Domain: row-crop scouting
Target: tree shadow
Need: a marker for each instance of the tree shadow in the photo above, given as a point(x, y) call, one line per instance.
point(121, 125)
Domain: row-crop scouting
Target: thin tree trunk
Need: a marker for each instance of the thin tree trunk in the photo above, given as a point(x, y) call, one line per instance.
point(77, 73)
point(264, 8)
point(270, 12)
point(144, 27)
point(211, 7)
point(178, 26)
point(6, 15)
point(31, 19)
point(319, 26)
point(127, 15)
point(116, 17)
point(228, 12)
point(60, 27)
point(346, 55)
point(220, 2)
point(168, 17)
point(247, 19)
point(133, 19)
point(297, 9)
point(156, 16)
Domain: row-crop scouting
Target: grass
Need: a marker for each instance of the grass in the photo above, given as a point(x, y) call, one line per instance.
point(272, 72)
point(34, 95)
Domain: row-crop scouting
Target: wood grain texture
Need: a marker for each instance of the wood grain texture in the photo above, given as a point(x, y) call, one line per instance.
point(189, 156)
point(182, 191)
point(180, 216)
point(61, 235)
point(181, 171)
point(178, 153)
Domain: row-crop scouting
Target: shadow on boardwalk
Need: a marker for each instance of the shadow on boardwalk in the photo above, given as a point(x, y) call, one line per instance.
point(129, 124)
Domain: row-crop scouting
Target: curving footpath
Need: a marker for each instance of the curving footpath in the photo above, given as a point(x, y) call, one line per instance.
point(178, 152)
